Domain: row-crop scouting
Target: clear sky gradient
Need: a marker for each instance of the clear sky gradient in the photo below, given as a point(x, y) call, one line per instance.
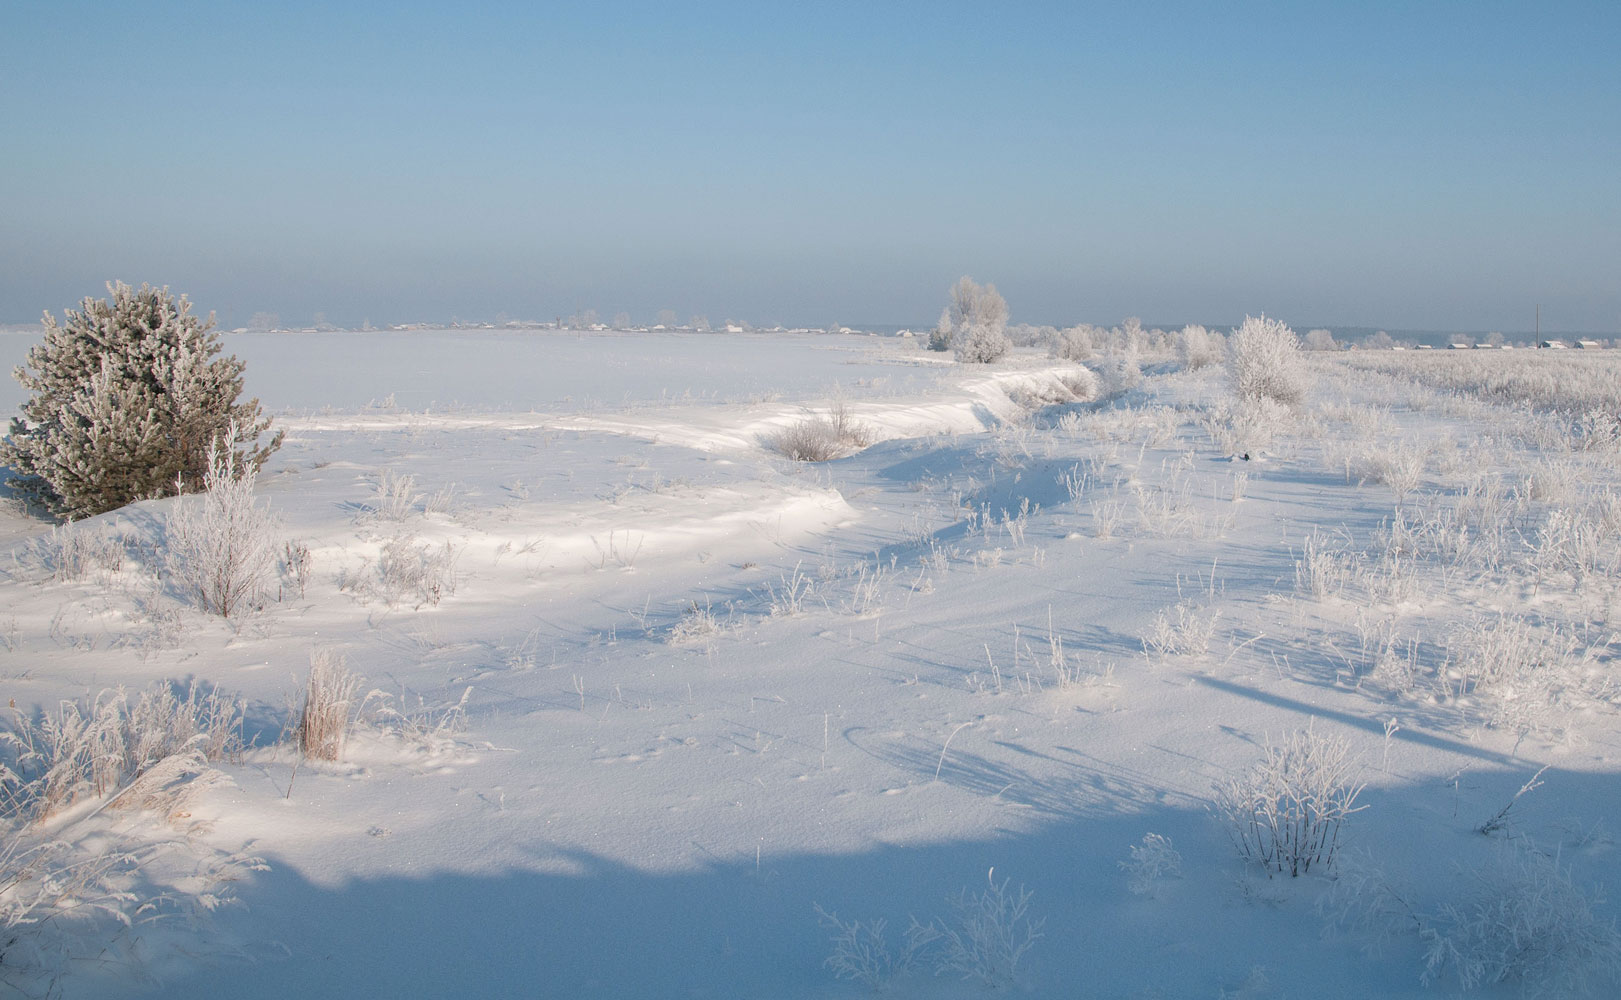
point(1414, 165)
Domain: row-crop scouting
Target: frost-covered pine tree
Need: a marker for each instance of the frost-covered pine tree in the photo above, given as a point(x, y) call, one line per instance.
point(979, 322)
point(128, 395)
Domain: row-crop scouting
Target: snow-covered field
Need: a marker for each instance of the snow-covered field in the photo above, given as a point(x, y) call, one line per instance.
point(651, 702)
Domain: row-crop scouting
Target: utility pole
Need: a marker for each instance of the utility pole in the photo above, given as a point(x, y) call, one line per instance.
point(1539, 325)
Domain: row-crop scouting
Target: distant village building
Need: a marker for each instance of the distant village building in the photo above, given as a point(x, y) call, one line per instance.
point(1587, 345)
point(1553, 345)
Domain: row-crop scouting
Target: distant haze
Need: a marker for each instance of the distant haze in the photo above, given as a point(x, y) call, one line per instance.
point(1429, 166)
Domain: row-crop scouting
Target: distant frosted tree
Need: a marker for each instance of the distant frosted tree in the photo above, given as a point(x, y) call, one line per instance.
point(128, 397)
point(978, 322)
point(699, 323)
point(264, 321)
point(1073, 344)
point(1263, 362)
point(589, 318)
point(1321, 340)
point(1380, 341)
point(667, 318)
point(622, 321)
point(940, 336)
point(1198, 347)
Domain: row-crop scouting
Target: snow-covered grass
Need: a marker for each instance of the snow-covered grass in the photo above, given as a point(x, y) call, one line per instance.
point(653, 692)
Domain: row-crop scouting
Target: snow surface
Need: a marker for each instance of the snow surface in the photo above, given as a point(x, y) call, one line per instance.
point(665, 768)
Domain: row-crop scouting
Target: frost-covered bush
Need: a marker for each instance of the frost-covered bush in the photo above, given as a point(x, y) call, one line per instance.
point(1155, 858)
point(1286, 810)
point(1263, 362)
point(220, 544)
point(821, 438)
point(1119, 374)
point(1527, 922)
point(940, 336)
point(111, 747)
point(978, 317)
point(981, 345)
point(1197, 347)
point(1321, 340)
point(128, 396)
point(992, 933)
point(327, 706)
point(1073, 344)
point(861, 949)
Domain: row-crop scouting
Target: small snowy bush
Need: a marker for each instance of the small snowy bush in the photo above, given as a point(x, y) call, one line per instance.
point(1073, 344)
point(821, 438)
point(861, 950)
point(1151, 861)
point(1286, 811)
point(1263, 362)
point(111, 747)
point(220, 543)
point(1197, 347)
point(128, 398)
point(992, 933)
point(327, 707)
point(978, 317)
point(73, 551)
point(1119, 374)
point(1524, 922)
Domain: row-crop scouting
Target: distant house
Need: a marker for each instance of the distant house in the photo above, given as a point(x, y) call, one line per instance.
point(1553, 345)
point(1587, 345)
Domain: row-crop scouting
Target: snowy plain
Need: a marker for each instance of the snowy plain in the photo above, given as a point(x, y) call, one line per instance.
point(706, 690)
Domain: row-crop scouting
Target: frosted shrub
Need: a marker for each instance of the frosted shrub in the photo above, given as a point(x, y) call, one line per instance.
point(1151, 861)
point(697, 624)
point(1197, 347)
point(73, 551)
point(424, 573)
point(396, 497)
point(106, 746)
point(978, 317)
point(327, 706)
point(982, 345)
point(992, 933)
point(821, 438)
point(1119, 374)
point(1073, 344)
point(1183, 630)
point(861, 951)
point(220, 544)
point(128, 398)
point(1285, 812)
point(1525, 922)
point(1263, 362)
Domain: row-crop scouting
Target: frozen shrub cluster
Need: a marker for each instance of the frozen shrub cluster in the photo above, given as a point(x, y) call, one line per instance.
point(1073, 344)
point(988, 936)
point(978, 317)
point(128, 397)
point(821, 438)
point(1286, 811)
point(114, 746)
point(862, 952)
point(1183, 630)
point(1152, 860)
point(73, 551)
point(1119, 374)
point(1263, 363)
point(1197, 347)
point(327, 706)
point(220, 544)
point(1525, 922)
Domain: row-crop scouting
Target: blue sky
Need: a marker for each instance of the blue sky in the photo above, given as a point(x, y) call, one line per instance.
point(1415, 165)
